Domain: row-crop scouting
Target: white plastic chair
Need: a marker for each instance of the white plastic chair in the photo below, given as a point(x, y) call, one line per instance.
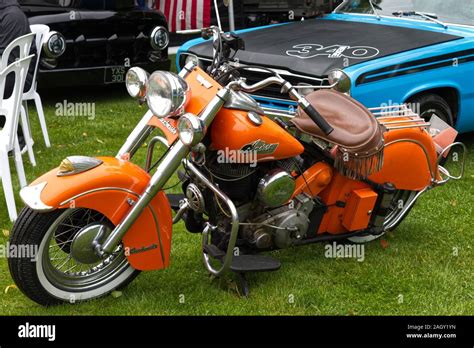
point(40, 30)
point(10, 109)
point(23, 43)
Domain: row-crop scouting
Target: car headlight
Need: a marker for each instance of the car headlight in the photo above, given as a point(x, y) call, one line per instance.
point(159, 38)
point(190, 129)
point(135, 81)
point(54, 44)
point(341, 80)
point(167, 94)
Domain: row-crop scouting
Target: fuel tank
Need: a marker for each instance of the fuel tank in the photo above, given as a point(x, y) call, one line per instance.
point(233, 132)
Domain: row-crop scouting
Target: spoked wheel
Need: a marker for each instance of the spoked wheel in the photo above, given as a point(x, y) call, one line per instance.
point(62, 271)
point(393, 219)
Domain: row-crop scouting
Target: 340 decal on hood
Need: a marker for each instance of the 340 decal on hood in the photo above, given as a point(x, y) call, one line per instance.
point(317, 46)
point(305, 51)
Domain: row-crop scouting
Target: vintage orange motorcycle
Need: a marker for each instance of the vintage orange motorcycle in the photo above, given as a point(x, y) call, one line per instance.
point(252, 183)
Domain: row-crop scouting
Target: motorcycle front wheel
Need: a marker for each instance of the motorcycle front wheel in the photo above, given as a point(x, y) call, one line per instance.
point(400, 200)
point(53, 276)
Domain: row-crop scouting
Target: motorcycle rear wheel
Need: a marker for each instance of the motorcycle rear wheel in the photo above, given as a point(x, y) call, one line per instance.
point(400, 199)
point(53, 276)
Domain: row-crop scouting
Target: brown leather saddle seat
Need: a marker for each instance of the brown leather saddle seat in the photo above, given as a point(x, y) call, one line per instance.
point(356, 130)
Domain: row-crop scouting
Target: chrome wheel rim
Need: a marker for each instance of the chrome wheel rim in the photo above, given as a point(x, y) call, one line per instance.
point(58, 266)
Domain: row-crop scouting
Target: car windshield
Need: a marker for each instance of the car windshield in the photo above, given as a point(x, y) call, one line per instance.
point(449, 11)
point(82, 4)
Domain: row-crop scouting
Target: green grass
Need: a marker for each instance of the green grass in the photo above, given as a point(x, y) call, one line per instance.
point(418, 266)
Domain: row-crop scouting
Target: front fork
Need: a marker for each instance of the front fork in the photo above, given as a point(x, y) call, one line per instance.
point(169, 164)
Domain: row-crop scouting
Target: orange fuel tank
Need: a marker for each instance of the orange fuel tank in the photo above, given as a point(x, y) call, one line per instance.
point(233, 130)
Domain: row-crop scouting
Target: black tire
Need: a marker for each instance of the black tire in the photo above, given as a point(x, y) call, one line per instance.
point(432, 104)
point(32, 228)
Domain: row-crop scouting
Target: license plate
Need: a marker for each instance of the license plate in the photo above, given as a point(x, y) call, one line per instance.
point(115, 74)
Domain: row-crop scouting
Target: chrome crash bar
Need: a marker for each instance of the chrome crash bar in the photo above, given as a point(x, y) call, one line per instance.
point(227, 261)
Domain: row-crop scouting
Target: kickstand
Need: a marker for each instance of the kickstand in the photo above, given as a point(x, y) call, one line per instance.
point(243, 284)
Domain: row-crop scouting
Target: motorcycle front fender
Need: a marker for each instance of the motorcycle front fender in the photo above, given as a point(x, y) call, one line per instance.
point(111, 189)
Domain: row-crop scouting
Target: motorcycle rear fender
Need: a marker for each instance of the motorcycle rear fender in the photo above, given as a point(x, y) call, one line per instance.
point(111, 189)
point(410, 163)
point(410, 160)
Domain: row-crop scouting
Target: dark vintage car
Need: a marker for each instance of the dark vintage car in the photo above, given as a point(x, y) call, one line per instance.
point(94, 42)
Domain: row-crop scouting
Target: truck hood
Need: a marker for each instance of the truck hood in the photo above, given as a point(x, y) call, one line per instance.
point(315, 47)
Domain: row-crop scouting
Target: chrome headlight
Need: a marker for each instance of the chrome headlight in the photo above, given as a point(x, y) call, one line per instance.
point(135, 81)
point(341, 80)
point(167, 94)
point(159, 38)
point(54, 44)
point(190, 129)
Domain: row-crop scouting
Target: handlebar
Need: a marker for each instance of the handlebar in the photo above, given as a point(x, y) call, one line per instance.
point(276, 79)
point(243, 86)
point(286, 87)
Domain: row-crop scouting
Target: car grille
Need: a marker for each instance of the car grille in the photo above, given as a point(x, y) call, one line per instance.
point(113, 51)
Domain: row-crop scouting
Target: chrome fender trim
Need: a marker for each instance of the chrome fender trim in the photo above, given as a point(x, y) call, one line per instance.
point(98, 190)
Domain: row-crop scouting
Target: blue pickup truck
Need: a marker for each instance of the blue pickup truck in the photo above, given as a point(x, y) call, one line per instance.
point(387, 52)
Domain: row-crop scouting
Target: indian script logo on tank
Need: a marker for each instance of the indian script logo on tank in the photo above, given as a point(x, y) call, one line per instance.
point(260, 147)
point(305, 51)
